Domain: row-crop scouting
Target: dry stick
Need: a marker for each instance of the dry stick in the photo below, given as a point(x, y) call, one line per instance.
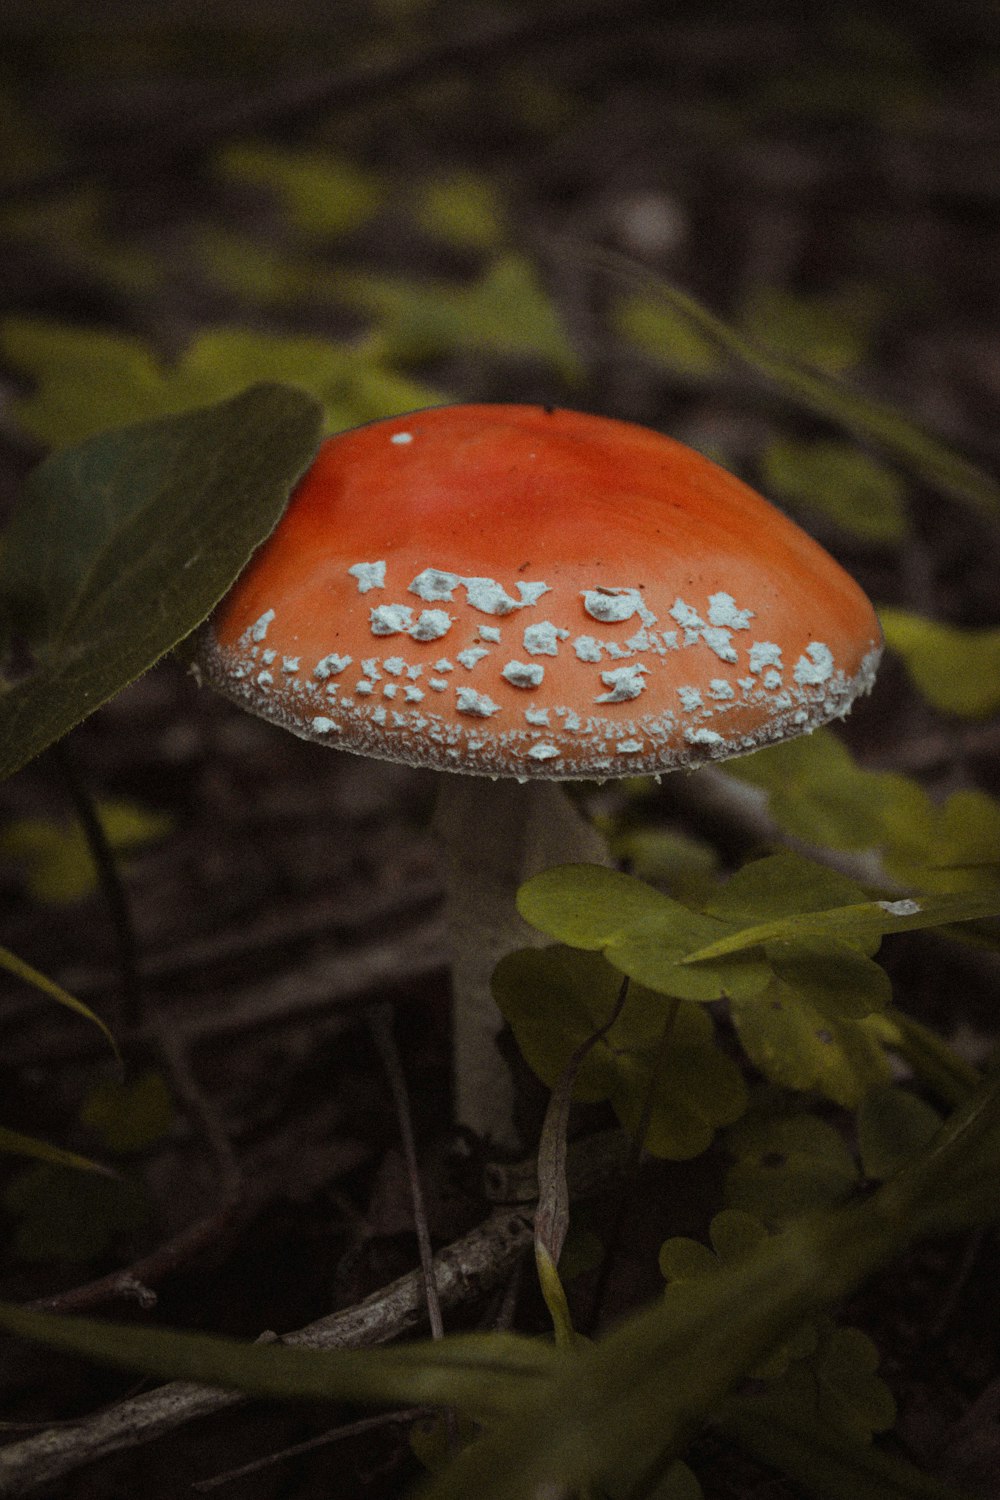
point(471, 1266)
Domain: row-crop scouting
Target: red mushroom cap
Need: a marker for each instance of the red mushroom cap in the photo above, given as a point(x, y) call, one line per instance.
point(521, 591)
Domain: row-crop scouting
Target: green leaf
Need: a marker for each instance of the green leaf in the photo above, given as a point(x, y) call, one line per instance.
point(323, 193)
point(957, 671)
point(481, 1375)
point(664, 332)
point(129, 1115)
point(831, 332)
point(643, 933)
point(831, 476)
point(658, 1066)
point(13, 1143)
point(787, 1167)
point(781, 885)
point(818, 794)
point(803, 1043)
point(58, 864)
point(505, 311)
point(857, 922)
point(122, 546)
point(893, 1126)
point(40, 981)
point(464, 210)
point(64, 1214)
point(821, 1460)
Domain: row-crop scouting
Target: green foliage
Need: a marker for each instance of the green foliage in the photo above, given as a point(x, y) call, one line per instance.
point(61, 1214)
point(661, 330)
point(323, 193)
point(504, 312)
point(838, 480)
point(56, 857)
point(464, 210)
point(122, 545)
point(833, 333)
point(957, 671)
point(816, 792)
point(13, 1143)
point(658, 1065)
point(129, 1115)
point(88, 380)
point(40, 981)
point(893, 1128)
point(787, 1166)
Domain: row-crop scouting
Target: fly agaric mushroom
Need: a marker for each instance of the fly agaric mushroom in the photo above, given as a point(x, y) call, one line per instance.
point(538, 595)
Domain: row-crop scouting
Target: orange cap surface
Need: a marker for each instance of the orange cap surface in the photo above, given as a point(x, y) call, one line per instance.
point(521, 591)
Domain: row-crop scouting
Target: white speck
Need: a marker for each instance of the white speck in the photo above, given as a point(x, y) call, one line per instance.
point(401, 437)
point(612, 605)
point(616, 652)
point(538, 716)
point(690, 699)
point(571, 720)
point(259, 628)
point(378, 714)
point(434, 585)
point(474, 743)
point(268, 656)
point(669, 639)
point(414, 672)
point(390, 619)
point(688, 618)
point(543, 751)
point(523, 674)
point(264, 679)
point(720, 690)
point(628, 747)
point(437, 684)
point(624, 683)
point(431, 625)
point(239, 672)
point(490, 633)
point(764, 654)
point(321, 725)
point(815, 667)
point(471, 655)
point(531, 592)
point(290, 664)
point(901, 908)
point(443, 665)
point(330, 666)
point(640, 641)
point(395, 666)
point(477, 704)
point(364, 687)
point(413, 694)
point(587, 648)
point(771, 679)
point(542, 639)
point(722, 611)
point(369, 576)
point(702, 737)
point(389, 691)
point(370, 668)
point(720, 641)
point(489, 596)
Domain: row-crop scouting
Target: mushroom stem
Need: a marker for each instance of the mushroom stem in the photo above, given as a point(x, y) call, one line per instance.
point(495, 835)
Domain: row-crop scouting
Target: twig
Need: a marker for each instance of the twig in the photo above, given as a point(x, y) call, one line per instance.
point(471, 1266)
point(322, 1440)
point(380, 1024)
point(478, 1263)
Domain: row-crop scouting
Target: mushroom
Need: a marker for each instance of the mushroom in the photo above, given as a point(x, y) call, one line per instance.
point(522, 595)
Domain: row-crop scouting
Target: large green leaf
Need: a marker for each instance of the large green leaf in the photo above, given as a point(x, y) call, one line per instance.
point(122, 546)
point(956, 670)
